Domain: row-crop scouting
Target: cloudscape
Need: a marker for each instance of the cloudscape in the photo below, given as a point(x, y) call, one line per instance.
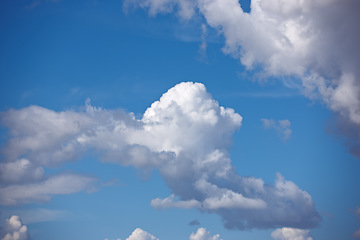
point(180, 119)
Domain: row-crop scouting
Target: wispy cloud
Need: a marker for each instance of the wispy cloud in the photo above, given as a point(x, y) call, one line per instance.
point(194, 222)
point(282, 127)
point(203, 45)
point(43, 190)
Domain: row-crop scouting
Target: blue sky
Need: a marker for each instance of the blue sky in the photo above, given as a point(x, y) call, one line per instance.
point(255, 134)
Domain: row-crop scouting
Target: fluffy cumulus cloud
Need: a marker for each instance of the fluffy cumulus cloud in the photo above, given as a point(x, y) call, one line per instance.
point(139, 234)
point(14, 230)
point(291, 234)
point(186, 135)
point(283, 127)
point(311, 42)
point(203, 234)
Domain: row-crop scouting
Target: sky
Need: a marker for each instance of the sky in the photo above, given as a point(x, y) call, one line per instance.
point(179, 119)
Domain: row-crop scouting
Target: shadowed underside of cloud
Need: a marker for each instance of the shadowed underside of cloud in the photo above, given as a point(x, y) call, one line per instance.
point(186, 135)
point(312, 44)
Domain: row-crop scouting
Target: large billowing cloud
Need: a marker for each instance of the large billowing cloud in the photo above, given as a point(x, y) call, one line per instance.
point(186, 135)
point(310, 43)
point(14, 230)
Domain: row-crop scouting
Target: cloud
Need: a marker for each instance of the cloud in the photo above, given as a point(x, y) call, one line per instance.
point(14, 230)
point(356, 234)
point(170, 203)
point(186, 135)
point(194, 222)
point(291, 234)
point(203, 234)
point(203, 45)
point(139, 234)
point(294, 41)
point(282, 127)
point(20, 171)
point(43, 190)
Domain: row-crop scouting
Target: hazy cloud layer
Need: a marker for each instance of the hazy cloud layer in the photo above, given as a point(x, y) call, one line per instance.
point(282, 127)
point(14, 229)
point(291, 234)
point(311, 43)
point(186, 135)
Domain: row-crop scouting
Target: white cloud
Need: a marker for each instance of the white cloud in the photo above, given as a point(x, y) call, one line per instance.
point(203, 234)
point(186, 135)
point(296, 40)
point(283, 127)
point(14, 229)
point(139, 234)
point(291, 234)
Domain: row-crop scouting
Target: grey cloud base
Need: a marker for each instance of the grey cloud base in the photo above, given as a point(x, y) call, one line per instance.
point(186, 135)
